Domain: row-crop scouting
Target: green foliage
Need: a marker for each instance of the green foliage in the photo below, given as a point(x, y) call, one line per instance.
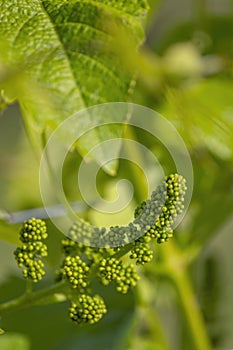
point(211, 117)
point(46, 38)
point(53, 68)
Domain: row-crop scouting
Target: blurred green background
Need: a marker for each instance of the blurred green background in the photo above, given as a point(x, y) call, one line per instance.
point(185, 73)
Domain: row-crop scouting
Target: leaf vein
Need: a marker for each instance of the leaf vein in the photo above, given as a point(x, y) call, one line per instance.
point(24, 24)
point(103, 67)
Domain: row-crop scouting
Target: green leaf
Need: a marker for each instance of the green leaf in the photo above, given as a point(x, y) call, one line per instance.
point(212, 198)
point(11, 341)
point(63, 48)
point(203, 114)
point(9, 233)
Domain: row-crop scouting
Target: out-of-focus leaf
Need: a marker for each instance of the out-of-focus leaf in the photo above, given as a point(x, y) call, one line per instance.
point(9, 233)
point(62, 46)
point(203, 114)
point(11, 341)
point(212, 197)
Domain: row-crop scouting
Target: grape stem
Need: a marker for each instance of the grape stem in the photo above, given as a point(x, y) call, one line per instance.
point(34, 298)
point(174, 265)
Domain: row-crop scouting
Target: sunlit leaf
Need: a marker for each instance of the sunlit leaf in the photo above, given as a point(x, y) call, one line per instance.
point(203, 114)
point(62, 47)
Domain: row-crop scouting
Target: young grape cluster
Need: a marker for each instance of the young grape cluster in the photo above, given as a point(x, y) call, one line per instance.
point(87, 309)
point(112, 269)
point(28, 255)
point(75, 271)
point(168, 201)
point(154, 218)
point(91, 252)
point(141, 251)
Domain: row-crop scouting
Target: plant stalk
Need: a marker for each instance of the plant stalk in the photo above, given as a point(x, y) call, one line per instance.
point(34, 298)
point(177, 271)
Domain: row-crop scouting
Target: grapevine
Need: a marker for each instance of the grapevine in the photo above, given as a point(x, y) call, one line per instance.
point(112, 263)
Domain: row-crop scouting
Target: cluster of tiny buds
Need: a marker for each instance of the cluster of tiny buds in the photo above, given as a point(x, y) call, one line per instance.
point(174, 192)
point(75, 271)
point(32, 234)
point(71, 247)
point(154, 218)
point(141, 251)
point(87, 309)
point(112, 269)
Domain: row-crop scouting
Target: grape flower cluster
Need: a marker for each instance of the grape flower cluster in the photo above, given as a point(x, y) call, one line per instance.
point(84, 260)
point(168, 201)
point(112, 269)
point(28, 255)
point(87, 309)
point(75, 271)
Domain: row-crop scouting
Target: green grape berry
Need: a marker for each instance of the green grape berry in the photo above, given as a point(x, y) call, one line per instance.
point(32, 235)
point(87, 309)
